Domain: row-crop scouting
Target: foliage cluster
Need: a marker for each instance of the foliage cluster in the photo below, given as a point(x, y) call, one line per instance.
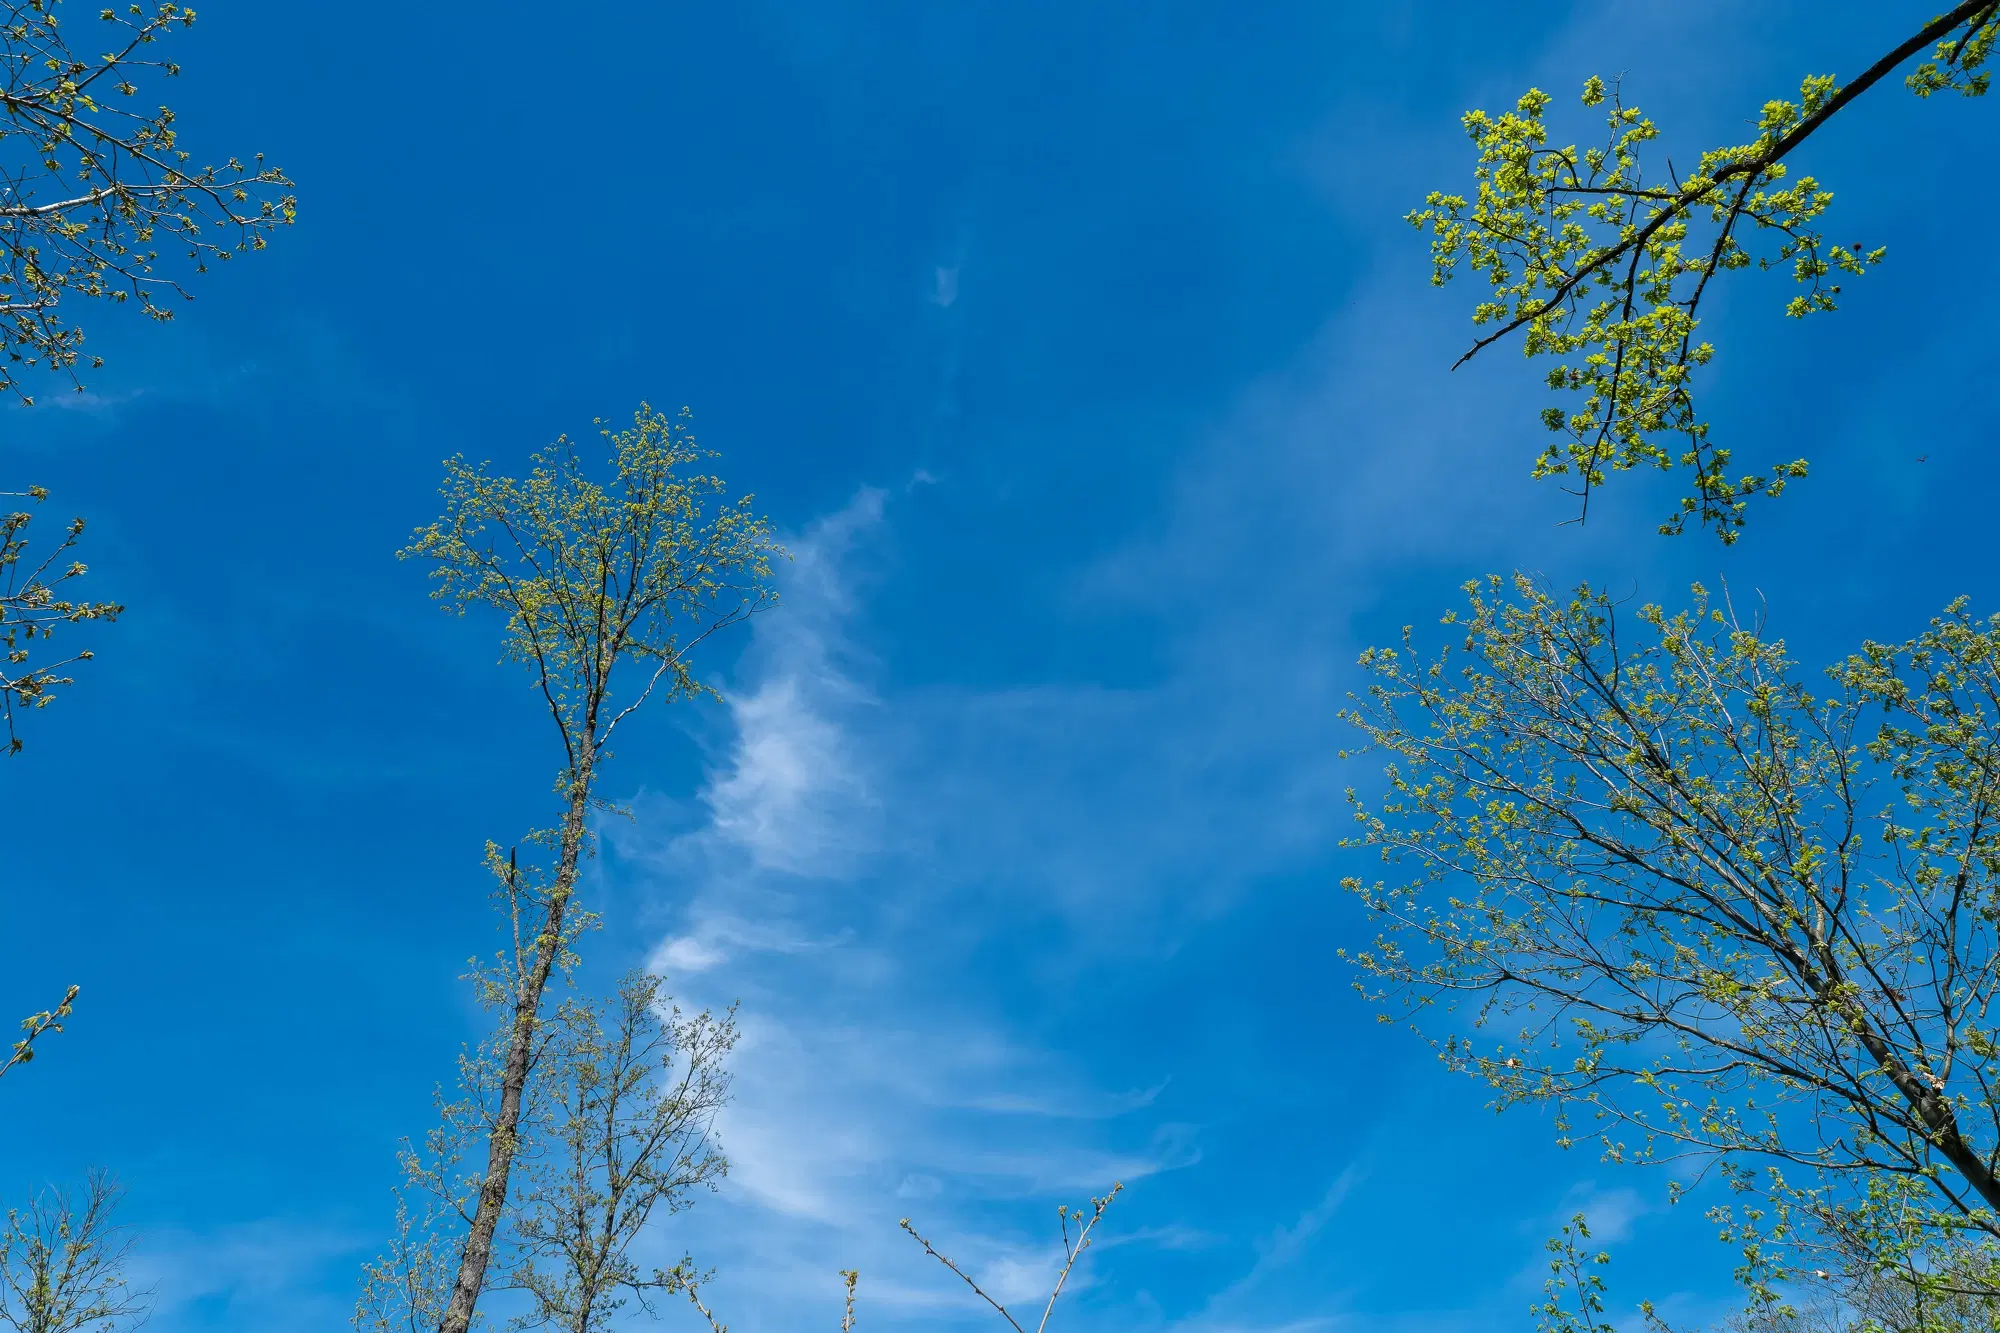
point(1603, 264)
point(98, 197)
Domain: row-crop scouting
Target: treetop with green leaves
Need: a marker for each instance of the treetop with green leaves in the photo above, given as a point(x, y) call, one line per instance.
point(589, 573)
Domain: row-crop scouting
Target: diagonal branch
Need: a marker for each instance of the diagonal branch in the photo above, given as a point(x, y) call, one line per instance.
point(1968, 12)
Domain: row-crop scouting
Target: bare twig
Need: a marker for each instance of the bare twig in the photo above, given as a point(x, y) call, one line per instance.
point(1071, 1253)
point(1097, 1207)
point(978, 1291)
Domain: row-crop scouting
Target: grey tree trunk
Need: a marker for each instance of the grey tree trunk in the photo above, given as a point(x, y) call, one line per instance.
point(505, 1140)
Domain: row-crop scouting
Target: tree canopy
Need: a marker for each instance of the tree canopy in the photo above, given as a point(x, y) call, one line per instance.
point(1646, 874)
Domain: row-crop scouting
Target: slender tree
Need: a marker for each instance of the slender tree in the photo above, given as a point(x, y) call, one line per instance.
point(632, 1090)
point(63, 1261)
point(1596, 260)
point(616, 1128)
point(589, 577)
point(1647, 876)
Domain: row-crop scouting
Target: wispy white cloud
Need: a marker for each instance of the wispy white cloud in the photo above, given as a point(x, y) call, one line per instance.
point(780, 798)
point(794, 795)
point(858, 1096)
point(944, 288)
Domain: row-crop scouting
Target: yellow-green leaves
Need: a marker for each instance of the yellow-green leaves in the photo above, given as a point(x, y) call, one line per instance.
point(1603, 267)
point(1574, 1291)
point(1959, 62)
point(36, 1025)
point(1733, 917)
point(101, 201)
point(638, 561)
point(32, 606)
point(1601, 263)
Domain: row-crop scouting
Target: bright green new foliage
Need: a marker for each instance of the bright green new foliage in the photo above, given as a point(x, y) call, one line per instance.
point(1601, 260)
point(97, 194)
point(1642, 872)
point(1574, 1291)
point(35, 1026)
point(1625, 334)
point(588, 574)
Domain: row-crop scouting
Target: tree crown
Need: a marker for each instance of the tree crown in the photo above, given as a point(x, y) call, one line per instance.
point(589, 573)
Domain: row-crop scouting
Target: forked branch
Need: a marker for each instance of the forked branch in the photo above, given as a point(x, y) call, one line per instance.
point(1072, 1251)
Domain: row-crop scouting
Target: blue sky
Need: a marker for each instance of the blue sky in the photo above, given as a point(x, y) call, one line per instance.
point(1082, 356)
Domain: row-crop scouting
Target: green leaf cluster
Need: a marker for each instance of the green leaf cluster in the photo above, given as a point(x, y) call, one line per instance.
point(640, 566)
point(33, 603)
point(1601, 261)
point(97, 195)
point(1603, 268)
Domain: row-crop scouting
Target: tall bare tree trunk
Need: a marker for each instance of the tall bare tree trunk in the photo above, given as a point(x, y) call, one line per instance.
point(505, 1140)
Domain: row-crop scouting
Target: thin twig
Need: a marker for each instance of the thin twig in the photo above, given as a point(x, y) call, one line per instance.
point(1071, 1253)
point(977, 1289)
point(1097, 1207)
